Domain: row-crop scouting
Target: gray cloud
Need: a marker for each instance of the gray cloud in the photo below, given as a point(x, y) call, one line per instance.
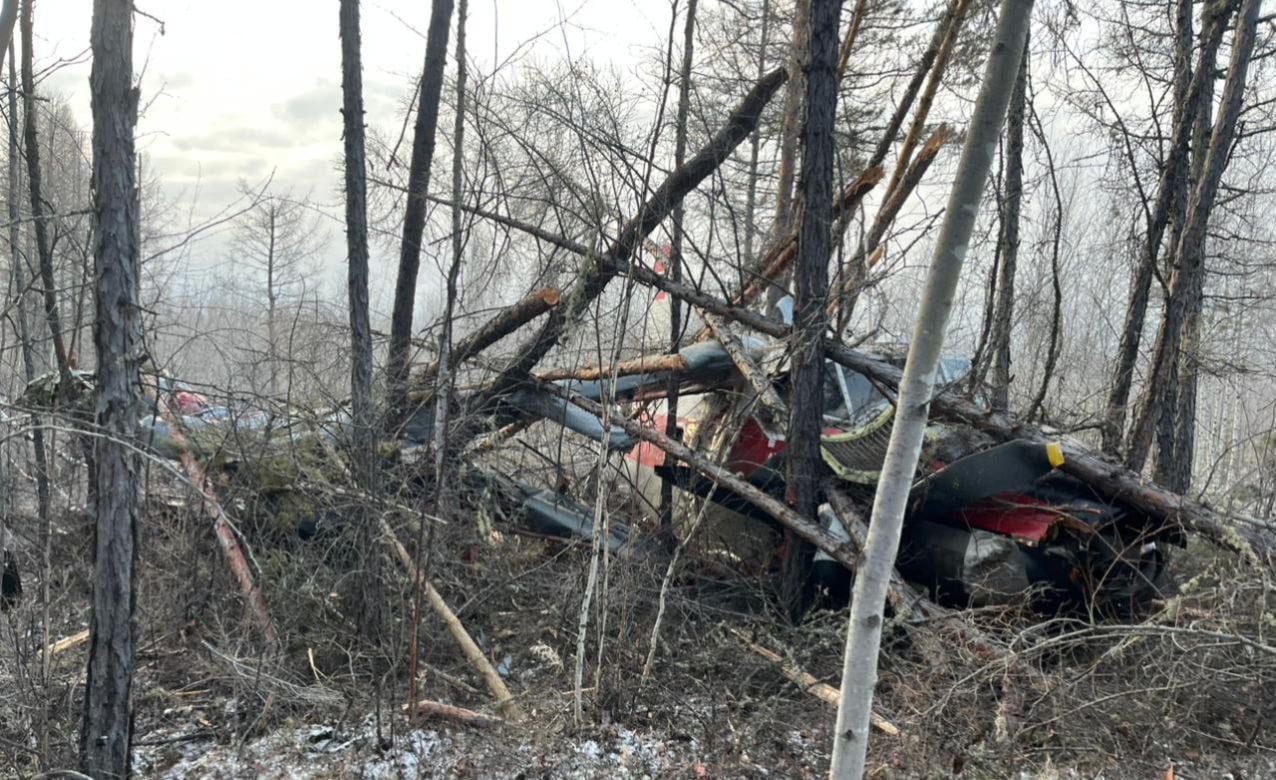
point(321, 103)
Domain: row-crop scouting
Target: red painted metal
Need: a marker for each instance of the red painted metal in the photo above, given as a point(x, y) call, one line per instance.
point(1014, 514)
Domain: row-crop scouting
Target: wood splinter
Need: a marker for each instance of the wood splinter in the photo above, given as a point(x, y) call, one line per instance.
point(809, 683)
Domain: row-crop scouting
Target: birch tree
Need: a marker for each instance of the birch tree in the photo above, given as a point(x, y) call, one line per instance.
point(864, 631)
point(117, 335)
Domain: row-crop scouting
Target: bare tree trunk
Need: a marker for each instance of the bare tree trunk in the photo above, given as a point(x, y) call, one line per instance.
point(1056, 317)
point(864, 631)
point(811, 286)
point(363, 412)
point(24, 318)
point(1176, 429)
point(1003, 312)
point(793, 96)
point(675, 254)
point(41, 452)
point(427, 120)
point(751, 194)
point(1188, 277)
point(1173, 174)
point(8, 16)
point(35, 189)
point(794, 92)
point(117, 335)
point(444, 378)
point(272, 300)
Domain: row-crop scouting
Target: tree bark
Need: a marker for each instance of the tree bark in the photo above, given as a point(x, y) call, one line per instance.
point(362, 407)
point(35, 189)
point(1189, 271)
point(24, 319)
point(1176, 434)
point(859, 671)
point(755, 144)
point(1172, 174)
point(427, 120)
point(675, 254)
point(117, 335)
point(814, 247)
point(444, 380)
point(8, 16)
point(1003, 312)
point(791, 127)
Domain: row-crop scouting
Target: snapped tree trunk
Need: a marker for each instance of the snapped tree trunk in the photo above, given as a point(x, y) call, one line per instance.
point(427, 120)
point(1189, 270)
point(859, 669)
point(814, 246)
point(117, 335)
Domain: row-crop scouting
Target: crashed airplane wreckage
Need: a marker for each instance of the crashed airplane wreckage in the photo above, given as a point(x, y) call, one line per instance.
point(998, 509)
point(988, 522)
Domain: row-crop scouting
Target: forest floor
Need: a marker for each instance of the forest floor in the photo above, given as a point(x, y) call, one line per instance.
point(1075, 700)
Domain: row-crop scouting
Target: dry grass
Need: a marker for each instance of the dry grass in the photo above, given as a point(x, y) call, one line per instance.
point(1194, 685)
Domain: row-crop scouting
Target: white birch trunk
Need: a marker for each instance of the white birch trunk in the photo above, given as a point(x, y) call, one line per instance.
point(859, 669)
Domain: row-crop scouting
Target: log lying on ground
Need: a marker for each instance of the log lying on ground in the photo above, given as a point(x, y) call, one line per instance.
point(504, 699)
point(234, 554)
point(428, 708)
point(67, 642)
point(812, 685)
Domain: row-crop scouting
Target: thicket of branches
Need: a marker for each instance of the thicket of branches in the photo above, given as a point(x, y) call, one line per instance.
point(1119, 288)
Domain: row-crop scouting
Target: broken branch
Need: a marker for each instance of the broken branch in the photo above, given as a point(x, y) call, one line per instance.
point(436, 709)
point(596, 275)
point(505, 322)
point(809, 682)
point(221, 526)
point(504, 699)
point(642, 365)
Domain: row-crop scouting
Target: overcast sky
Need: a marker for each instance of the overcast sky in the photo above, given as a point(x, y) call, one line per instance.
point(234, 89)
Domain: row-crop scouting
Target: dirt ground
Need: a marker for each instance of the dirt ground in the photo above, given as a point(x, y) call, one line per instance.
point(1193, 687)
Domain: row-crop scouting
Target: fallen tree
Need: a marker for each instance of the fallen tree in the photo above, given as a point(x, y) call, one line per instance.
point(1249, 537)
point(605, 267)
